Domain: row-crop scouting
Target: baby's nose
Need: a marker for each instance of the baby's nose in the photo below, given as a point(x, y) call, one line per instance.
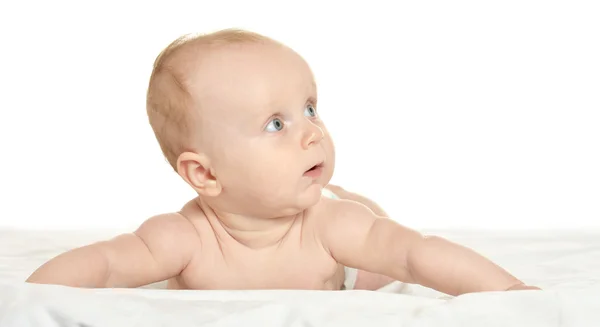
point(313, 135)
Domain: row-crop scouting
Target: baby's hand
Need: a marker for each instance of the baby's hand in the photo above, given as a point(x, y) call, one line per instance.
point(520, 287)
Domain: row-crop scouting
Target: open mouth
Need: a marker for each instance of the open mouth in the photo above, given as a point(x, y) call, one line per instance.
point(314, 170)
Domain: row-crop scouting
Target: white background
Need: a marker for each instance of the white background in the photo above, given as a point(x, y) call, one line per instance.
point(453, 114)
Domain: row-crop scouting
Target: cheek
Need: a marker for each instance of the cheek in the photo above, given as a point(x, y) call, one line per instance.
point(254, 168)
point(329, 147)
point(330, 152)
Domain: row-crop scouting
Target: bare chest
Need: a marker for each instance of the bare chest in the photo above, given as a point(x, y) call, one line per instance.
point(292, 265)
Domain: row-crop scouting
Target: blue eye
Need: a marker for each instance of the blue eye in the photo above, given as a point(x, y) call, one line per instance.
point(310, 110)
point(275, 125)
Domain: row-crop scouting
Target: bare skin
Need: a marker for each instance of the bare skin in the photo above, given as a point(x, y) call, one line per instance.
point(365, 280)
point(193, 249)
point(264, 224)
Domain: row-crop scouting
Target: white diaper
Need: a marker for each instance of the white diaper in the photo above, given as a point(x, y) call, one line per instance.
point(326, 192)
point(350, 279)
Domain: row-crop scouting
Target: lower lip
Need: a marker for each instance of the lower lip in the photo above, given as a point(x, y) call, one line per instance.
point(314, 173)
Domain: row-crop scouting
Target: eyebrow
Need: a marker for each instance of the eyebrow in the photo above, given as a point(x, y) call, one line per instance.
point(311, 96)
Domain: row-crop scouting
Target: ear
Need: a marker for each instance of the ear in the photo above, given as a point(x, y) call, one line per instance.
point(196, 170)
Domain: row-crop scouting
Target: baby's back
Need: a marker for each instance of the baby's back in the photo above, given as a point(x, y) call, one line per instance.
point(222, 260)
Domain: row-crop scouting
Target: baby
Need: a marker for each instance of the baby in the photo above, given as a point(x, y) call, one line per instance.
point(235, 114)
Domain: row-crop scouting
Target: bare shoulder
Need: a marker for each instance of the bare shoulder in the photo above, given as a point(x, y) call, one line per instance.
point(356, 237)
point(339, 216)
point(337, 211)
point(164, 225)
point(172, 230)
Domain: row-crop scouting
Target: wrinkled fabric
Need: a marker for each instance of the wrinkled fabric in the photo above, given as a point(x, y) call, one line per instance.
point(565, 264)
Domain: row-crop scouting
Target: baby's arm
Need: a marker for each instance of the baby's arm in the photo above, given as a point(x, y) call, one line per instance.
point(158, 250)
point(365, 280)
point(358, 238)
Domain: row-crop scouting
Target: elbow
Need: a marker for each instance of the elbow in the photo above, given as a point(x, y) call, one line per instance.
point(421, 246)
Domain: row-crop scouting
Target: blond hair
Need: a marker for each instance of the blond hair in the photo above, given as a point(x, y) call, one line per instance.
point(168, 101)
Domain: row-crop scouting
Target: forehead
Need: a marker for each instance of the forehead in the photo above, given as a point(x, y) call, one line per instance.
point(249, 79)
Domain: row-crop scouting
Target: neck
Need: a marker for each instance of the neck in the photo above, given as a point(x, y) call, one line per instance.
point(252, 232)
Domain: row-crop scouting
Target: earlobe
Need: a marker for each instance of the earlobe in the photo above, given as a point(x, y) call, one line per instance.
point(196, 170)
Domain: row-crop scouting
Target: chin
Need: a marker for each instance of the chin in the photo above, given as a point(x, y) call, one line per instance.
point(313, 194)
point(302, 200)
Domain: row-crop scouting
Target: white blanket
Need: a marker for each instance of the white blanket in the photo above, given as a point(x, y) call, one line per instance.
point(565, 264)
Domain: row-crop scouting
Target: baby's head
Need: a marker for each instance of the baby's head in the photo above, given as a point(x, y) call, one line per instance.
point(235, 114)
